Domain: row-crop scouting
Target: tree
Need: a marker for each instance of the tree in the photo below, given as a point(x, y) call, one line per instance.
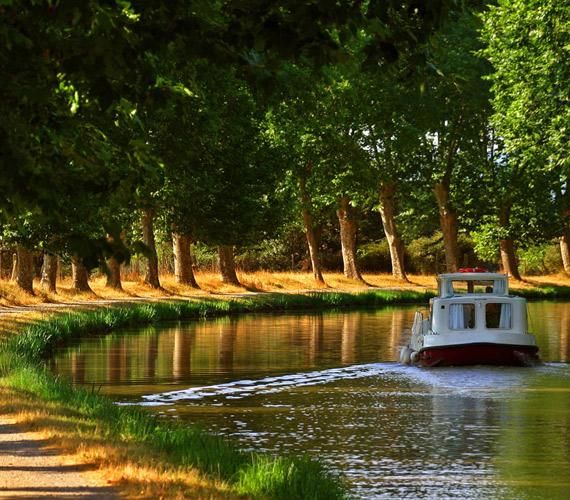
point(456, 112)
point(527, 44)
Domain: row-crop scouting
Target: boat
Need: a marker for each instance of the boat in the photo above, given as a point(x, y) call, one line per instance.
point(472, 321)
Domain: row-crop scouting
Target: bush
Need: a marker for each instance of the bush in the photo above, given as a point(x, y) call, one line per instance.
point(268, 254)
point(540, 259)
point(426, 255)
point(374, 257)
point(553, 259)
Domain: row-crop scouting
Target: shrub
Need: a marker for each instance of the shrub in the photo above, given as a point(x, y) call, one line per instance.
point(540, 259)
point(374, 256)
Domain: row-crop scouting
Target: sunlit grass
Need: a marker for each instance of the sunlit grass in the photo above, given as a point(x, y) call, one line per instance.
point(138, 471)
point(133, 446)
point(156, 459)
point(260, 281)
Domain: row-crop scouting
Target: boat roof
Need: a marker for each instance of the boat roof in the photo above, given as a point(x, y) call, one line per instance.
point(473, 276)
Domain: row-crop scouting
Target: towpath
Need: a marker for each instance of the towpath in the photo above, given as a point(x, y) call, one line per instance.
point(31, 468)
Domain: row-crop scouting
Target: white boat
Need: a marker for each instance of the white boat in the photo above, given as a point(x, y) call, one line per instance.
point(472, 321)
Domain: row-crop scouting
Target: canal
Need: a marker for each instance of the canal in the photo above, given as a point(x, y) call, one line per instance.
point(328, 385)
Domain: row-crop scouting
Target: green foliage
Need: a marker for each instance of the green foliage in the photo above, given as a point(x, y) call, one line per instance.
point(486, 240)
point(540, 259)
point(528, 47)
point(374, 256)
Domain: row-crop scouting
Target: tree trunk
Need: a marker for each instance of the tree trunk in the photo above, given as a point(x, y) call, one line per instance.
point(114, 276)
point(227, 265)
point(448, 224)
point(79, 275)
point(151, 276)
point(565, 251)
point(507, 246)
point(388, 214)
point(348, 229)
point(49, 273)
point(14, 273)
point(183, 272)
point(113, 267)
point(25, 270)
point(310, 233)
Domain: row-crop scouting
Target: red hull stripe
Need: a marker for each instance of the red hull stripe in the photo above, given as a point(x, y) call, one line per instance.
point(478, 354)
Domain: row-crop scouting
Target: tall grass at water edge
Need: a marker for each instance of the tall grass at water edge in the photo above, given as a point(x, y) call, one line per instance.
point(248, 473)
point(39, 339)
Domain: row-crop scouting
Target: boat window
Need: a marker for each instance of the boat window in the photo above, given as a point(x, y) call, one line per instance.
point(498, 315)
point(461, 316)
point(471, 286)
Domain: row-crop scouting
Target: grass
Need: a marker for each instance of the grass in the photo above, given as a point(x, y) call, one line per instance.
point(214, 463)
point(166, 449)
point(37, 339)
point(549, 286)
point(155, 458)
point(210, 284)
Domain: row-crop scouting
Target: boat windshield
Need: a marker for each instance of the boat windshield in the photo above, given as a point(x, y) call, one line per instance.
point(461, 287)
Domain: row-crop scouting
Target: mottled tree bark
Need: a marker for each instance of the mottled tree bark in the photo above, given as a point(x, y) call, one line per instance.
point(348, 230)
point(114, 275)
point(227, 265)
point(14, 267)
point(310, 232)
point(395, 244)
point(49, 273)
point(507, 246)
point(564, 239)
point(565, 251)
point(113, 267)
point(25, 269)
point(183, 271)
point(79, 275)
point(448, 224)
point(151, 276)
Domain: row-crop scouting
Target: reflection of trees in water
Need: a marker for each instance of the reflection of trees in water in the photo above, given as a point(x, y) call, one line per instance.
point(227, 344)
point(316, 329)
point(565, 333)
point(78, 367)
point(181, 354)
point(534, 456)
point(151, 356)
point(114, 356)
point(350, 328)
point(400, 320)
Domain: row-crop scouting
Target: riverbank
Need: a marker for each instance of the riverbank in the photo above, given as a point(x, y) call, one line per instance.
point(549, 286)
point(169, 460)
point(168, 450)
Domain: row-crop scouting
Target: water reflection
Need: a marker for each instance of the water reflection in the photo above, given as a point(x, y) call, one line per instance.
point(327, 385)
point(226, 349)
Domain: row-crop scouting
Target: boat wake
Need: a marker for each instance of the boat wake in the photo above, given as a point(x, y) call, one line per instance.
point(476, 381)
point(268, 385)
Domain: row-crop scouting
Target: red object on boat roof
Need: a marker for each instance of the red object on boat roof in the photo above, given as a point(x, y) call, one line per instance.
point(472, 270)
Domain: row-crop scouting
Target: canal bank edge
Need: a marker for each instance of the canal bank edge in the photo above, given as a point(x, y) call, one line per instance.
point(229, 471)
point(22, 370)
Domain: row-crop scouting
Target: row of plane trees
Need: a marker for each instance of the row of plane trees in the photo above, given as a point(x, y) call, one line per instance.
point(459, 127)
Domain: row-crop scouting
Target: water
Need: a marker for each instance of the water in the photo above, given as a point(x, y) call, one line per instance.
point(328, 385)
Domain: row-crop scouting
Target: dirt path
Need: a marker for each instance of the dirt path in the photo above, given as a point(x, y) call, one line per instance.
point(29, 468)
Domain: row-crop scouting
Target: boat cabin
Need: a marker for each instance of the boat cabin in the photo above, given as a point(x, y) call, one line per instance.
point(475, 302)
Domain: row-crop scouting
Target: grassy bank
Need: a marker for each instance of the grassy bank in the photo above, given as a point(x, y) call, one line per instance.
point(179, 459)
point(171, 446)
point(38, 339)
